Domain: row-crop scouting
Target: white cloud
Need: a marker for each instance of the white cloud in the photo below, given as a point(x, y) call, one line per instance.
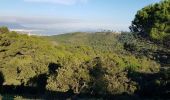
point(37, 20)
point(64, 2)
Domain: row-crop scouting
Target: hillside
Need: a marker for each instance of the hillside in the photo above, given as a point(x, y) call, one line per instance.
point(96, 63)
point(102, 42)
point(138, 58)
point(84, 50)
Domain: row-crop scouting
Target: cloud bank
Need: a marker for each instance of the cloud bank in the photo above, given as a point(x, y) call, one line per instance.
point(53, 26)
point(64, 2)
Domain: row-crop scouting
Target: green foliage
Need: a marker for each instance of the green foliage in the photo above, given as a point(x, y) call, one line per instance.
point(105, 70)
point(94, 63)
point(98, 42)
point(18, 98)
point(153, 21)
point(3, 30)
point(167, 41)
point(24, 57)
point(100, 75)
point(69, 78)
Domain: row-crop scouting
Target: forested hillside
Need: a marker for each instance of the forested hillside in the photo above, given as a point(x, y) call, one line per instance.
point(96, 63)
point(99, 65)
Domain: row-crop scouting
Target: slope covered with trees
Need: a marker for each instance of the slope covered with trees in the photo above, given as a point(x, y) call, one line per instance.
point(91, 64)
point(102, 64)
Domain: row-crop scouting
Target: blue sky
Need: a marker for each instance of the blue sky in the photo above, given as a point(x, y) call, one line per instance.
point(62, 16)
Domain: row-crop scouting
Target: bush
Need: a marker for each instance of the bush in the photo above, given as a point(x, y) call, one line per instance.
point(3, 30)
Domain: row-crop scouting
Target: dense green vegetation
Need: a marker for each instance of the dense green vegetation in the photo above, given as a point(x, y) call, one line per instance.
point(102, 64)
point(96, 63)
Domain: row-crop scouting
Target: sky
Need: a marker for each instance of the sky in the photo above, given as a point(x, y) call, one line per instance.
point(63, 16)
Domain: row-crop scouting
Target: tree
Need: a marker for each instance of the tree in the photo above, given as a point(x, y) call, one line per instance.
point(167, 41)
point(153, 21)
point(3, 30)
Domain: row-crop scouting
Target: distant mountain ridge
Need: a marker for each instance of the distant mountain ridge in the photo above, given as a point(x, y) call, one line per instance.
point(12, 25)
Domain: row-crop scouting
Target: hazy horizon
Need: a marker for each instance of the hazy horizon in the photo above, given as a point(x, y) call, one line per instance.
point(63, 16)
